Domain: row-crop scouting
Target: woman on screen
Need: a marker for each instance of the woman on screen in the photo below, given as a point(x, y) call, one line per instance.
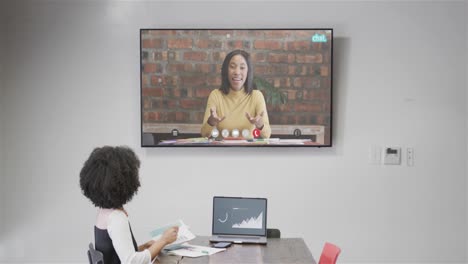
point(109, 178)
point(236, 104)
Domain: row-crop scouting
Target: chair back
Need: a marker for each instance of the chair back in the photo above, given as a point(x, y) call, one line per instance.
point(94, 256)
point(330, 254)
point(273, 233)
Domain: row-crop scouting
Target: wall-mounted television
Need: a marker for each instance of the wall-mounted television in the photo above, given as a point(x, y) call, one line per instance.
point(236, 87)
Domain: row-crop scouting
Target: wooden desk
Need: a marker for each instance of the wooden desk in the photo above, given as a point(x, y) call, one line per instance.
point(277, 251)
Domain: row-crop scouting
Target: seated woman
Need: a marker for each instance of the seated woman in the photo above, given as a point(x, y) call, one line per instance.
point(109, 178)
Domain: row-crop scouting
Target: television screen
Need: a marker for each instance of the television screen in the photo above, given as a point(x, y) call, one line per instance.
point(236, 87)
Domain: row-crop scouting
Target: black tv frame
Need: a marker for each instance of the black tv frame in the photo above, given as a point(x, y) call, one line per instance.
point(185, 135)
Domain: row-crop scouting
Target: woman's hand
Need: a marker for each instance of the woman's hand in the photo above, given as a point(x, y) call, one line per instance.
point(213, 120)
point(257, 121)
point(146, 245)
point(170, 235)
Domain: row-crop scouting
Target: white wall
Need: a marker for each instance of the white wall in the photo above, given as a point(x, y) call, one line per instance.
point(2, 148)
point(2, 74)
point(466, 82)
point(399, 80)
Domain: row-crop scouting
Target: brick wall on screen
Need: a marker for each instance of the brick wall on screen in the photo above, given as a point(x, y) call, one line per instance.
point(180, 68)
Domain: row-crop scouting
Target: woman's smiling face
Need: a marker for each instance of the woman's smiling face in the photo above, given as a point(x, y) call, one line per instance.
point(237, 72)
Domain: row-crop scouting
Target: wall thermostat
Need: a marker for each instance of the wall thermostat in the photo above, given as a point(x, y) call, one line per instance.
point(392, 156)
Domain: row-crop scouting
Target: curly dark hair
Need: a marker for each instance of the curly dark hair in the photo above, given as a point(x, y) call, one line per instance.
point(249, 85)
point(109, 178)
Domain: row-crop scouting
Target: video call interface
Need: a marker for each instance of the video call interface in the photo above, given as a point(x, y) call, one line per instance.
point(292, 68)
point(234, 216)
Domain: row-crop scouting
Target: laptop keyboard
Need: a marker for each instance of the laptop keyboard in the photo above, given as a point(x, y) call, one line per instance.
point(240, 237)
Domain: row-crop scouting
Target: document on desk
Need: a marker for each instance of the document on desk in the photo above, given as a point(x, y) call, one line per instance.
point(183, 235)
point(194, 251)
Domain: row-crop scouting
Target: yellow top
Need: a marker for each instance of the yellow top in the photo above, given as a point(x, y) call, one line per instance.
point(233, 107)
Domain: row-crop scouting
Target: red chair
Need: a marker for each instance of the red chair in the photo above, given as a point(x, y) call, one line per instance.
point(330, 254)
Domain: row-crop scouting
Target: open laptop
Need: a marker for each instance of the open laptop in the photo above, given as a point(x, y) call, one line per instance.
point(239, 220)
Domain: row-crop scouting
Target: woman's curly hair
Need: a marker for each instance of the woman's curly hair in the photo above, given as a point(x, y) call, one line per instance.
point(109, 178)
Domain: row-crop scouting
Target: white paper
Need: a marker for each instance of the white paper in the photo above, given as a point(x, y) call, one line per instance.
point(194, 251)
point(183, 235)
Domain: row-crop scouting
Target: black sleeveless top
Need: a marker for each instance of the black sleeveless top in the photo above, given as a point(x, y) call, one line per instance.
point(103, 243)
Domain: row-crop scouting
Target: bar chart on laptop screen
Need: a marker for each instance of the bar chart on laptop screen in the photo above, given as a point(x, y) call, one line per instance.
point(239, 216)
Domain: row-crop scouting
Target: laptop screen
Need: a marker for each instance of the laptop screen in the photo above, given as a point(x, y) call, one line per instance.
point(239, 216)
